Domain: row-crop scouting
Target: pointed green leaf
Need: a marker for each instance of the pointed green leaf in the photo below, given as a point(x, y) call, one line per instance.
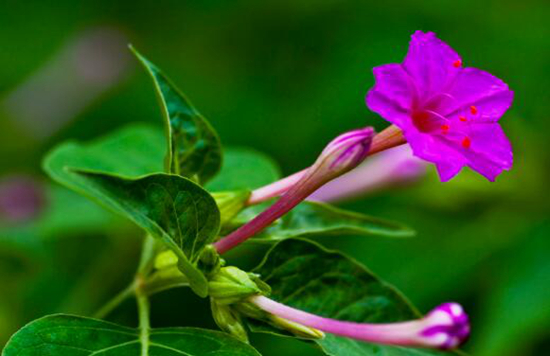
point(313, 219)
point(68, 335)
point(169, 207)
point(306, 276)
point(194, 148)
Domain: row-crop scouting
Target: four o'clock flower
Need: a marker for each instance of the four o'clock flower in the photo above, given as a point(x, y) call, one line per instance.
point(445, 327)
point(448, 113)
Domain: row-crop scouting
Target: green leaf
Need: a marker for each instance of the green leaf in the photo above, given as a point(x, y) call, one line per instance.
point(132, 151)
point(313, 218)
point(68, 335)
point(194, 148)
point(244, 169)
point(169, 207)
point(306, 276)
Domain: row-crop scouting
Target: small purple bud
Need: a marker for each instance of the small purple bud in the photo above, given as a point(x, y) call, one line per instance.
point(447, 326)
point(346, 151)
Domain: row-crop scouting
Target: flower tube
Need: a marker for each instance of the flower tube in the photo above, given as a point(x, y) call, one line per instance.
point(390, 168)
point(445, 327)
point(340, 156)
point(388, 138)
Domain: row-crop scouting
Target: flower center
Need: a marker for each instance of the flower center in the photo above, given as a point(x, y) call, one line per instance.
point(426, 121)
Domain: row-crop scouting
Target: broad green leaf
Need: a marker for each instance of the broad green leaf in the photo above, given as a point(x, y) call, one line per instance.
point(194, 148)
point(132, 151)
point(169, 207)
point(244, 169)
point(313, 218)
point(306, 276)
point(68, 335)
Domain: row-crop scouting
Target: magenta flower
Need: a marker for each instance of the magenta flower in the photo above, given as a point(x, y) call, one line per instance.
point(448, 113)
point(445, 327)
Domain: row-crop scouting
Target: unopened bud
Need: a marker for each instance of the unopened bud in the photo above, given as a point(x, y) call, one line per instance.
point(231, 285)
point(340, 156)
point(230, 204)
point(228, 320)
point(344, 153)
point(166, 259)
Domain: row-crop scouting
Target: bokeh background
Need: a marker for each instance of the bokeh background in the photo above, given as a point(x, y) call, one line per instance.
point(283, 77)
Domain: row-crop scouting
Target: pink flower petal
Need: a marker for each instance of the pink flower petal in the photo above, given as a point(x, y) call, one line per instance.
point(431, 63)
point(490, 152)
point(488, 94)
point(393, 95)
point(437, 150)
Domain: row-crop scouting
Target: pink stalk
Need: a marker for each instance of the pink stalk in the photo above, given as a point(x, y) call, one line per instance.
point(390, 137)
point(340, 156)
point(445, 327)
point(394, 167)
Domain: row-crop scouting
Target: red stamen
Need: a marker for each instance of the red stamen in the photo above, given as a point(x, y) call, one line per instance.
point(445, 128)
point(466, 142)
point(473, 110)
point(457, 63)
point(462, 118)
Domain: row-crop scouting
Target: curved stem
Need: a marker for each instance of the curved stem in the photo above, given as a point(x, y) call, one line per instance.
point(112, 304)
point(390, 137)
point(145, 265)
point(297, 193)
point(275, 189)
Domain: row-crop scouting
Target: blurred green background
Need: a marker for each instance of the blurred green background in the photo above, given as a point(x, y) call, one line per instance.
point(283, 77)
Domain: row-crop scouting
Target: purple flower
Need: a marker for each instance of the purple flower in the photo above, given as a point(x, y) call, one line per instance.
point(448, 113)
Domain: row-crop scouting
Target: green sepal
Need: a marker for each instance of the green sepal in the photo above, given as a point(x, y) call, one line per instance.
point(228, 320)
point(232, 285)
point(230, 204)
point(210, 261)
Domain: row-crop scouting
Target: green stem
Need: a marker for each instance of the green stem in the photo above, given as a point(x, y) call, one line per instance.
point(144, 321)
point(115, 301)
point(145, 265)
point(147, 255)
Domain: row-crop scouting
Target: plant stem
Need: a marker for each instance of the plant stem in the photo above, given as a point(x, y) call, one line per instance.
point(147, 255)
point(115, 301)
point(145, 265)
point(143, 312)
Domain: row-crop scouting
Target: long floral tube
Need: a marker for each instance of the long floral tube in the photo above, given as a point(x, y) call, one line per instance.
point(340, 156)
point(391, 168)
point(388, 138)
point(445, 327)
